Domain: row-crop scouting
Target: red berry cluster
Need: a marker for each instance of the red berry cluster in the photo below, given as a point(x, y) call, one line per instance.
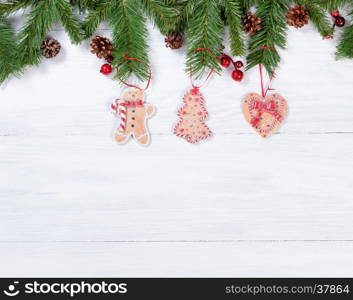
point(226, 61)
point(339, 20)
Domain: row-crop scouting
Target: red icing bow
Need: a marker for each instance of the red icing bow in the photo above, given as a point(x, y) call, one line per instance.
point(195, 90)
point(132, 103)
point(269, 107)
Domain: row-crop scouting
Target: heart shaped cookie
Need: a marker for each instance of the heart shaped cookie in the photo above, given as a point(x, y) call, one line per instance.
point(265, 114)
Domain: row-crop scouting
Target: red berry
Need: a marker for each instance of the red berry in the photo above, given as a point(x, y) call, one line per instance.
point(106, 69)
point(237, 75)
point(238, 64)
point(335, 13)
point(225, 61)
point(340, 21)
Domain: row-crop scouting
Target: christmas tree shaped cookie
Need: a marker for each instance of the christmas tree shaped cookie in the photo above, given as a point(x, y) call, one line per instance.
point(192, 114)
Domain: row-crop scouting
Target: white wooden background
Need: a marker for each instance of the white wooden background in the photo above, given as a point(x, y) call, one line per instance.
point(73, 203)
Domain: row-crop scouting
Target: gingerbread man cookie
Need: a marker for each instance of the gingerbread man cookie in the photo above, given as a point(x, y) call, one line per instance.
point(191, 126)
point(133, 113)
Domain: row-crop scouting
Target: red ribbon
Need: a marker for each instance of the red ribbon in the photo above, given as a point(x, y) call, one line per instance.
point(132, 103)
point(262, 107)
point(263, 91)
point(196, 88)
point(126, 57)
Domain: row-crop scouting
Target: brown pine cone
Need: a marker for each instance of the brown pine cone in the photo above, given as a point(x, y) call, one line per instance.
point(251, 23)
point(102, 47)
point(297, 16)
point(174, 40)
point(50, 48)
point(109, 58)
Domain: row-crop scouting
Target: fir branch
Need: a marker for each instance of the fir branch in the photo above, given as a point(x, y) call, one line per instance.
point(83, 5)
point(186, 9)
point(164, 16)
point(11, 6)
point(318, 16)
point(234, 15)
point(39, 22)
point(69, 21)
point(101, 12)
point(129, 36)
point(205, 30)
point(247, 4)
point(7, 46)
point(345, 46)
point(272, 35)
point(332, 5)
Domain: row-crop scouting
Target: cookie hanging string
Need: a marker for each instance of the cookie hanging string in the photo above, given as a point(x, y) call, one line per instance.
point(133, 111)
point(263, 91)
point(193, 113)
point(122, 111)
point(197, 87)
point(126, 57)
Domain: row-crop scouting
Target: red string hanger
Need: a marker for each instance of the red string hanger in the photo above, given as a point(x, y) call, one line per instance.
point(265, 113)
point(263, 90)
point(133, 111)
point(197, 87)
point(192, 114)
point(126, 57)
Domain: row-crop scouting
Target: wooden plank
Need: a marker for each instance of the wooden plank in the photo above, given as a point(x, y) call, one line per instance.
point(65, 187)
point(298, 259)
point(233, 187)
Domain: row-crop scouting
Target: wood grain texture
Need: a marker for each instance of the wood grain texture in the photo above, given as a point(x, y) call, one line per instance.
point(288, 187)
point(73, 203)
point(211, 259)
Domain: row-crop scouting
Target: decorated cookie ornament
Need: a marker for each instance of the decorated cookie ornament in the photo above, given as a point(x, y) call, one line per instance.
point(133, 113)
point(192, 114)
point(265, 114)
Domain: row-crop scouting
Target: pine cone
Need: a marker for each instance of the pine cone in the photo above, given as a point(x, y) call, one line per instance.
point(50, 48)
point(174, 40)
point(102, 47)
point(251, 23)
point(297, 16)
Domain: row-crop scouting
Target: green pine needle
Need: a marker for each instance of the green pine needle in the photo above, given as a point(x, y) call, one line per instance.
point(83, 5)
point(11, 6)
point(345, 47)
point(332, 5)
point(129, 36)
point(205, 30)
point(69, 21)
point(7, 46)
point(165, 17)
point(102, 12)
point(39, 22)
point(272, 35)
point(318, 16)
point(234, 15)
point(247, 4)
point(186, 9)
point(203, 22)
